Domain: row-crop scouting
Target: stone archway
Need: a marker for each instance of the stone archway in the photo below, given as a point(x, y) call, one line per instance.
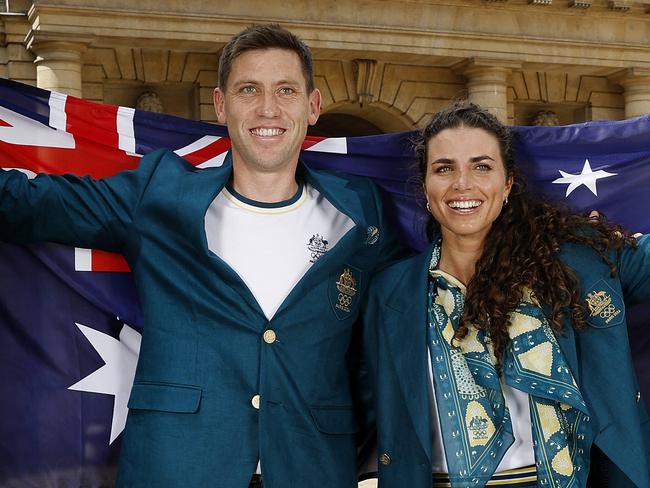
point(343, 125)
point(350, 119)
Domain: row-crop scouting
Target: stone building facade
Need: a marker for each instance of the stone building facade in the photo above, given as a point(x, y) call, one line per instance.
point(382, 65)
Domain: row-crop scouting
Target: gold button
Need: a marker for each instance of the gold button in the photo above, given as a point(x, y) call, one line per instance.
point(638, 396)
point(384, 458)
point(255, 401)
point(269, 336)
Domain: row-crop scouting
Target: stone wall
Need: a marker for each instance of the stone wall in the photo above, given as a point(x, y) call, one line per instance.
point(382, 65)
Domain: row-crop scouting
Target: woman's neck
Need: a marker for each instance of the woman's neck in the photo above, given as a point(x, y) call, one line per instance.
point(459, 256)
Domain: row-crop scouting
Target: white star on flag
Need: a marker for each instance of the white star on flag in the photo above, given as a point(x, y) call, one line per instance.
point(587, 177)
point(116, 376)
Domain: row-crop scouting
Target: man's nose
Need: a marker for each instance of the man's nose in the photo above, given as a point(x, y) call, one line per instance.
point(269, 105)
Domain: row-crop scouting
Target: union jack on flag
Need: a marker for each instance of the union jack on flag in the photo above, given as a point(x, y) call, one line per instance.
point(49, 132)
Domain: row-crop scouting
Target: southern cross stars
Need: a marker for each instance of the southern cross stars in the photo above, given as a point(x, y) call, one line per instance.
point(116, 376)
point(587, 177)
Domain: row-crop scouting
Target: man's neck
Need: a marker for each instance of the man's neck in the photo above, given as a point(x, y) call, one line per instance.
point(267, 187)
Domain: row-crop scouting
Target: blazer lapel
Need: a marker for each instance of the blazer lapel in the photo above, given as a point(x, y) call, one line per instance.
point(199, 188)
point(346, 200)
point(405, 330)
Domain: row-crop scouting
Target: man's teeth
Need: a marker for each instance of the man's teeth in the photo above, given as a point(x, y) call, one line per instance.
point(265, 132)
point(465, 204)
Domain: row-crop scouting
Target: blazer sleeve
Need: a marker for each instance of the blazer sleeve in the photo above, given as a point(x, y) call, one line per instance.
point(73, 210)
point(634, 272)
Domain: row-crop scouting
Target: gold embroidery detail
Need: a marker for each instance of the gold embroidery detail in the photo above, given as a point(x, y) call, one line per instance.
point(600, 304)
point(346, 285)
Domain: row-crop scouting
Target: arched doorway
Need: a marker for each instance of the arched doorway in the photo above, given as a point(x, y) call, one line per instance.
point(349, 119)
point(342, 125)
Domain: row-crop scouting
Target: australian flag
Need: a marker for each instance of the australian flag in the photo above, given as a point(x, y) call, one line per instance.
point(70, 323)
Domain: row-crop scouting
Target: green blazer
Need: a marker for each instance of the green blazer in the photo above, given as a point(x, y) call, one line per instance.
point(599, 357)
point(195, 419)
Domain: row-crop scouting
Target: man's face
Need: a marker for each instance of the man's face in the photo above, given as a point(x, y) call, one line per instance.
point(266, 107)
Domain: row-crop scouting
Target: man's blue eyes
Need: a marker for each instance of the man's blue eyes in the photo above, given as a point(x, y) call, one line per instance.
point(282, 91)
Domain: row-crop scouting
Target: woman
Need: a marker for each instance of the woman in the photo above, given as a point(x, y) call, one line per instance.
point(502, 350)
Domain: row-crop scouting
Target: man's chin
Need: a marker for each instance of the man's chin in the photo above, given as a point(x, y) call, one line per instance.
point(270, 164)
point(271, 160)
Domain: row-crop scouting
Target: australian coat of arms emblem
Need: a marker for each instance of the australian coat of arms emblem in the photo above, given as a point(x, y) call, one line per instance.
point(318, 246)
point(347, 287)
point(600, 304)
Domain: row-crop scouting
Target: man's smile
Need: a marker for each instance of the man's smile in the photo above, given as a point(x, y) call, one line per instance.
point(267, 131)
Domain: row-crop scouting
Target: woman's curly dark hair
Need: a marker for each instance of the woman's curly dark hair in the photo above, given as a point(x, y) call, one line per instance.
point(521, 248)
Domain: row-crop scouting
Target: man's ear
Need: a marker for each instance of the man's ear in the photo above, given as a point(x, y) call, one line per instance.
point(314, 106)
point(219, 99)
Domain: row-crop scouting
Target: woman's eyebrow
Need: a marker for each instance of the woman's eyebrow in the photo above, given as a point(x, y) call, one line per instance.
point(476, 159)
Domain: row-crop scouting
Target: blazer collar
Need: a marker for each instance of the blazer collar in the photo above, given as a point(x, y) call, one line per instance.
point(330, 185)
point(405, 328)
point(199, 188)
point(346, 200)
point(335, 189)
point(202, 186)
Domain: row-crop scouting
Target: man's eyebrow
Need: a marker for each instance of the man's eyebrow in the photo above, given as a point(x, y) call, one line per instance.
point(245, 82)
point(256, 82)
point(443, 161)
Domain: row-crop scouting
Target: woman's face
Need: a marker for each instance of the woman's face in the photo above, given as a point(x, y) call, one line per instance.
point(465, 181)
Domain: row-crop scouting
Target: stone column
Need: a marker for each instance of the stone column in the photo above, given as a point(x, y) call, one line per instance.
point(58, 66)
point(487, 84)
point(636, 86)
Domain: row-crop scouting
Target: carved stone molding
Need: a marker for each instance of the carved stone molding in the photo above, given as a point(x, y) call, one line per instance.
point(59, 65)
point(150, 101)
point(546, 118)
point(487, 83)
point(581, 4)
point(620, 5)
point(365, 71)
point(636, 90)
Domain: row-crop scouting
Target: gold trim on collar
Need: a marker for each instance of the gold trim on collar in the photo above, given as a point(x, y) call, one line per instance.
point(304, 196)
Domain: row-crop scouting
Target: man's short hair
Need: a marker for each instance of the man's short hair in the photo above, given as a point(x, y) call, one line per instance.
point(265, 36)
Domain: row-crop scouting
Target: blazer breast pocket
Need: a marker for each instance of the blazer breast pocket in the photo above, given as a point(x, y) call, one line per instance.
point(344, 292)
point(604, 304)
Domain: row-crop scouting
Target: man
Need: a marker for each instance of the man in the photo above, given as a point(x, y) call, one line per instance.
point(250, 277)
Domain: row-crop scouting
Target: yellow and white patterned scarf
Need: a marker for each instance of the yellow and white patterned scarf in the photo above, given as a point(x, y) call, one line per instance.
point(474, 418)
